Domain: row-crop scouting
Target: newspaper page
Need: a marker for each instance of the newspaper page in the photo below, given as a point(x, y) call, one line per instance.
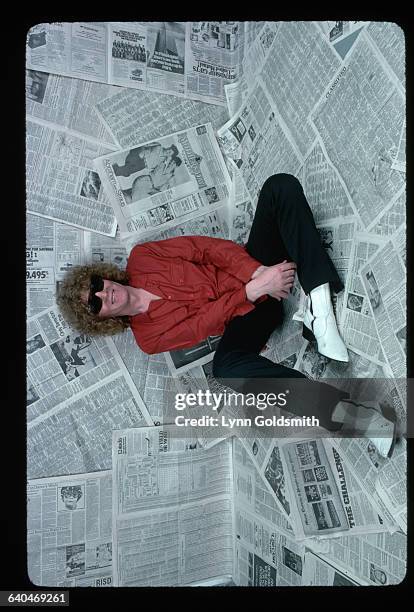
point(318, 572)
point(357, 323)
point(389, 39)
point(176, 496)
point(60, 181)
point(299, 47)
point(383, 278)
point(75, 109)
point(363, 157)
point(192, 59)
point(213, 55)
point(166, 182)
point(77, 389)
point(69, 530)
point(250, 489)
point(391, 485)
point(51, 249)
point(323, 187)
point(399, 161)
point(71, 49)
point(393, 221)
point(342, 34)
point(255, 55)
point(150, 375)
point(373, 560)
point(361, 513)
point(133, 116)
point(265, 556)
point(236, 94)
point(316, 501)
point(337, 239)
point(257, 52)
point(365, 463)
point(214, 223)
point(241, 209)
point(104, 249)
point(257, 141)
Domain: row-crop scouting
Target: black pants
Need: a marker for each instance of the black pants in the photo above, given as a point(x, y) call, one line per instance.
point(283, 228)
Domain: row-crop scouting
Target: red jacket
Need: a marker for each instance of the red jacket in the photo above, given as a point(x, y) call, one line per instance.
point(201, 281)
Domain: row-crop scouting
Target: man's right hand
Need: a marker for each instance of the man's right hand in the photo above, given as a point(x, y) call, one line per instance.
point(275, 281)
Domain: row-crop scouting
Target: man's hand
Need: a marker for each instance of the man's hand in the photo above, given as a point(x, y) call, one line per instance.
point(275, 281)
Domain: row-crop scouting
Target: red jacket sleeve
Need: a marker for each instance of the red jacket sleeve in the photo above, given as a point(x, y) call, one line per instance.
point(210, 320)
point(224, 254)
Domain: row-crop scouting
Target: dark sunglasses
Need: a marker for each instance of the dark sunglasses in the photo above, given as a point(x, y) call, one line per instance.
point(95, 302)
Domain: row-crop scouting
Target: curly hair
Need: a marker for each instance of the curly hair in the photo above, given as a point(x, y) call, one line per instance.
point(76, 312)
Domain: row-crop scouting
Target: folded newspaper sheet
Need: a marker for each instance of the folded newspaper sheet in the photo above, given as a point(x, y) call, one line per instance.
point(165, 182)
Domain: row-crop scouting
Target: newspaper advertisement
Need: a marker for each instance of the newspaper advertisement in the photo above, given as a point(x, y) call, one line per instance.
point(76, 109)
point(317, 505)
point(214, 52)
point(363, 157)
point(373, 559)
point(318, 572)
point(383, 278)
point(166, 182)
point(61, 183)
point(77, 389)
point(176, 496)
point(194, 59)
point(133, 116)
point(69, 530)
point(257, 141)
point(51, 249)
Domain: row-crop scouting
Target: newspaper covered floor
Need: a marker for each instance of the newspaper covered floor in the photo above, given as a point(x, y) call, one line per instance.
point(147, 130)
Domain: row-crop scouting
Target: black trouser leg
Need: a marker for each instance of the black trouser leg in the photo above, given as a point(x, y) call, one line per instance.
point(283, 228)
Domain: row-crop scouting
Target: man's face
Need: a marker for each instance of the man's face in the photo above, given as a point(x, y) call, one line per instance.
point(70, 501)
point(115, 299)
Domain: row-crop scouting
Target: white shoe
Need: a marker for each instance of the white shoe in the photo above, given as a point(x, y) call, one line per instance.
point(368, 419)
point(319, 324)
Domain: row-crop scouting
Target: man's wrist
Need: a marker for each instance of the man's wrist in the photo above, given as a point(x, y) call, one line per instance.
point(252, 292)
point(258, 271)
